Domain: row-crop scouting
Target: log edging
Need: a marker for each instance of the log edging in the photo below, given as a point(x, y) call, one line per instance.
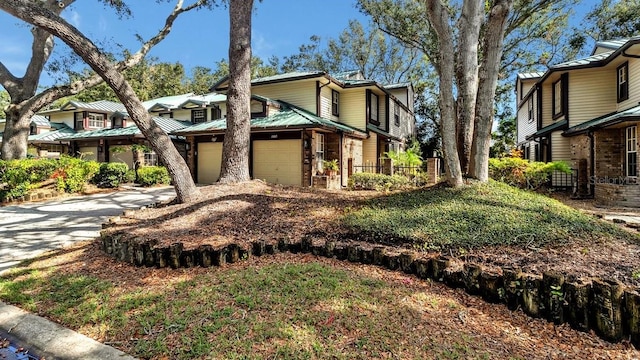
point(608, 307)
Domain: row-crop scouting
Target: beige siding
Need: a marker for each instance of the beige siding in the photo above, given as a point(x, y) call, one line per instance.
point(560, 148)
point(325, 104)
point(527, 85)
point(525, 127)
point(299, 93)
point(63, 117)
point(634, 85)
point(592, 93)
point(370, 150)
point(2, 125)
point(89, 152)
point(183, 114)
point(401, 95)
point(125, 156)
point(547, 104)
point(353, 108)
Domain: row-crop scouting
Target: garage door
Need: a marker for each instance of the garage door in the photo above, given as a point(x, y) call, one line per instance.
point(122, 155)
point(89, 152)
point(209, 162)
point(278, 161)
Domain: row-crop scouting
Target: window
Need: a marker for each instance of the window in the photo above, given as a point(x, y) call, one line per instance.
point(150, 159)
point(78, 121)
point(33, 130)
point(373, 109)
point(396, 113)
point(623, 82)
point(319, 151)
point(632, 151)
point(530, 109)
point(117, 123)
point(216, 113)
point(335, 103)
point(198, 116)
point(557, 98)
point(96, 120)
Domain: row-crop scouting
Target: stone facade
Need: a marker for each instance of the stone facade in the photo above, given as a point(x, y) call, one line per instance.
point(609, 153)
point(617, 195)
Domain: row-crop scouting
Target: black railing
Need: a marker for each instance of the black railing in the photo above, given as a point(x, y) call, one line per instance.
point(564, 181)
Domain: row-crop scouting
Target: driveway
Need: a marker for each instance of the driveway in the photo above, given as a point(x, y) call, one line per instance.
point(28, 230)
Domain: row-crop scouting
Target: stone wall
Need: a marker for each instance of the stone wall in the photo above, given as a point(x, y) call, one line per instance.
point(609, 153)
point(611, 194)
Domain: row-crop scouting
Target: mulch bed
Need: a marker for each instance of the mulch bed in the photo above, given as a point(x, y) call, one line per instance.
point(254, 211)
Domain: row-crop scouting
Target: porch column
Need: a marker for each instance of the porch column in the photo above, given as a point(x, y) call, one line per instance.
point(433, 171)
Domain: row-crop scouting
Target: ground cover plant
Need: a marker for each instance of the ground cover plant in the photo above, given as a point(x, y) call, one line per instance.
point(284, 306)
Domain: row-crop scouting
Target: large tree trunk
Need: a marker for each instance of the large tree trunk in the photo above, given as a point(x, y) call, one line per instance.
point(22, 91)
point(489, 72)
point(439, 19)
point(235, 150)
point(16, 134)
point(467, 76)
point(161, 143)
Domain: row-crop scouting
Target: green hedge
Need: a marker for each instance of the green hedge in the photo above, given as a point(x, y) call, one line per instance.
point(111, 175)
point(382, 182)
point(18, 177)
point(153, 175)
point(523, 173)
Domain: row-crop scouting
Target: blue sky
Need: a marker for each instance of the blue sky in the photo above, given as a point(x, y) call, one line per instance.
point(198, 38)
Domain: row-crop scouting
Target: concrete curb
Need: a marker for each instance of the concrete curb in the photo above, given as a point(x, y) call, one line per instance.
point(51, 340)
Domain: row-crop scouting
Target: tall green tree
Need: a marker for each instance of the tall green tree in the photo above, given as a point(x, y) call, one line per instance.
point(235, 150)
point(27, 98)
point(49, 21)
point(448, 39)
point(608, 20)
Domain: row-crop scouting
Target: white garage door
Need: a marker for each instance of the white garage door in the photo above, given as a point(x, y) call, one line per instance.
point(89, 152)
point(123, 154)
point(278, 161)
point(209, 162)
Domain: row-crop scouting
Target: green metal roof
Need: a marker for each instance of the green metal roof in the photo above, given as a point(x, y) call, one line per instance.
point(62, 131)
point(166, 124)
point(379, 131)
point(40, 121)
point(548, 129)
point(289, 116)
point(632, 114)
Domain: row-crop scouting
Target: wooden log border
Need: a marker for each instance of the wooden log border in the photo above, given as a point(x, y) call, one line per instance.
point(608, 307)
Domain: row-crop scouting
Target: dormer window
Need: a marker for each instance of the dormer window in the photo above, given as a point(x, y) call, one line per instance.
point(335, 103)
point(198, 116)
point(33, 130)
point(95, 120)
point(623, 82)
point(117, 123)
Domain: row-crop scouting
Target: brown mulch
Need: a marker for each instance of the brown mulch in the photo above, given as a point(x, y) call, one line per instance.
point(256, 211)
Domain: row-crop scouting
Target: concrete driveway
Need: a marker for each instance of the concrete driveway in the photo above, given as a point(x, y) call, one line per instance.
point(28, 230)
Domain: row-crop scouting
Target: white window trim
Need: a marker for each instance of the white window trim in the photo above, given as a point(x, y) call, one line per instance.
point(631, 147)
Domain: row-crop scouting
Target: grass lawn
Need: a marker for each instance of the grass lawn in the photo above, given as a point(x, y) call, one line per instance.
point(285, 307)
point(481, 215)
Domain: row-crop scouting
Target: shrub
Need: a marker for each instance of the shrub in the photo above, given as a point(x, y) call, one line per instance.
point(153, 175)
point(111, 175)
point(17, 177)
point(73, 173)
point(410, 157)
point(524, 174)
point(379, 182)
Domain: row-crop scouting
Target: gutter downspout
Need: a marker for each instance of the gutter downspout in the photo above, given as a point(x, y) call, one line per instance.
point(592, 171)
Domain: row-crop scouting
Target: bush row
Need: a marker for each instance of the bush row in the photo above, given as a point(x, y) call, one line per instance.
point(69, 174)
point(382, 182)
point(523, 173)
